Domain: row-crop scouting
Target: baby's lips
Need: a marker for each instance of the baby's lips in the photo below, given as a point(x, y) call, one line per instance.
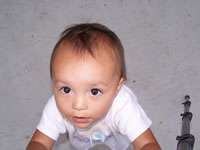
point(80, 119)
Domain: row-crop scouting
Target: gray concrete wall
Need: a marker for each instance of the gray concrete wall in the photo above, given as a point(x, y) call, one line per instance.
point(162, 44)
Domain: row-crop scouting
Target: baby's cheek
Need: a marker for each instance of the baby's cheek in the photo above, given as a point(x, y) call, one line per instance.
point(101, 110)
point(63, 108)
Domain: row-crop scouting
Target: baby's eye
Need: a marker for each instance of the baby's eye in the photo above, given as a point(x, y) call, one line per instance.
point(66, 90)
point(95, 92)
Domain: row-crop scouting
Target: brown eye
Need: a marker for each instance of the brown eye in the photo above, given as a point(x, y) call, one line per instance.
point(66, 90)
point(95, 92)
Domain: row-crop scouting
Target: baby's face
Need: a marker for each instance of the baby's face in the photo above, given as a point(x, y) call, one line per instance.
point(84, 86)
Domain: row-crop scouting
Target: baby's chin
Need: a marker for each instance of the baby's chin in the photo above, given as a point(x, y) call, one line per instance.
point(82, 126)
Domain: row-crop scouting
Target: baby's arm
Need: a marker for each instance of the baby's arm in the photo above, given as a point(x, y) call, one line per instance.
point(40, 141)
point(146, 141)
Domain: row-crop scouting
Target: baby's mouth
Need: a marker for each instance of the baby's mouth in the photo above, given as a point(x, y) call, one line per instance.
point(80, 119)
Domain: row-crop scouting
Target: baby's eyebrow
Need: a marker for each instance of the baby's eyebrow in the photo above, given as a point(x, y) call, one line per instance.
point(99, 84)
point(96, 84)
point(58, 82)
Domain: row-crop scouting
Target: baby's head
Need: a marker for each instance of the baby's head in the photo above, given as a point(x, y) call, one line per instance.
point(87, 70)
point(88, 39)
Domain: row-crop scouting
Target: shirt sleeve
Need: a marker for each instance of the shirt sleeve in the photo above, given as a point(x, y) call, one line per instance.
point(131, 119)
point(52, 122)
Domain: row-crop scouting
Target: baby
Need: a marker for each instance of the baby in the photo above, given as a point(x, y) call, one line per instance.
point(90, 102)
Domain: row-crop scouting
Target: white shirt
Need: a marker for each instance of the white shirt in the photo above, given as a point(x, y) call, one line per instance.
point(124, 122)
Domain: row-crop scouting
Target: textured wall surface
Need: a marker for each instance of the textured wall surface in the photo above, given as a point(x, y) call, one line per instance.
point(162, 43)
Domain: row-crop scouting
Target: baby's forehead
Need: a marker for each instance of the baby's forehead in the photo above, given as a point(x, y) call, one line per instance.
point(103, 53)
point(97, 50)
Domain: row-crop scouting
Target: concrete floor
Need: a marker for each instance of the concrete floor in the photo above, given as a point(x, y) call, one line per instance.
point(162, 43)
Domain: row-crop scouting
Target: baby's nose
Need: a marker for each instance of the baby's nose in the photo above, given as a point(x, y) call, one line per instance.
point(80, 103)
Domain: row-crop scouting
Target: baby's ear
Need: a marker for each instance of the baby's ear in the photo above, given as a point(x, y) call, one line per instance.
point(121, 81)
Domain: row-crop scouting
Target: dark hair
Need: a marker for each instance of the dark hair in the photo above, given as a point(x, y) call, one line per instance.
point(85, 37)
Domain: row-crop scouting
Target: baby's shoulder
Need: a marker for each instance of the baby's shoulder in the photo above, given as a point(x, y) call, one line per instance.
point(51, 108)
point(125, 102)
point(125, 97)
